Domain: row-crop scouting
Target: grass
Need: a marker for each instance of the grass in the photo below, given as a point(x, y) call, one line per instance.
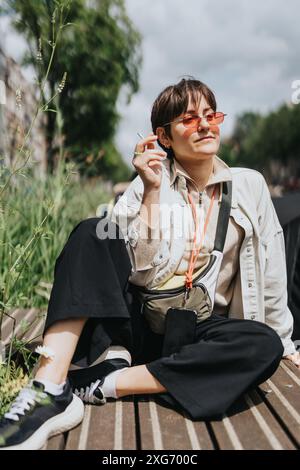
point(36, 218)
point(35, 221)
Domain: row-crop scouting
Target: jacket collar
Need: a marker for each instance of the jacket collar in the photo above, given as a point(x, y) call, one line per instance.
point(221, 172)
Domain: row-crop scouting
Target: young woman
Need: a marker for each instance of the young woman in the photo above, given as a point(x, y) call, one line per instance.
point(94, 320)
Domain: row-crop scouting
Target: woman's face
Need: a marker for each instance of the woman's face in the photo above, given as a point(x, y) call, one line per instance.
point(195, 143)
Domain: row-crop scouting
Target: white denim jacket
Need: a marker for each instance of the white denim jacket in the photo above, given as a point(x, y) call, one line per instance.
point(260, 291)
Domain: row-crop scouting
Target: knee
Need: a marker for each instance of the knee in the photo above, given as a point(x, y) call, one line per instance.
point(87, 225)
point(83, 227)
point(78, 237)
point(100, 228)
point(268, 343)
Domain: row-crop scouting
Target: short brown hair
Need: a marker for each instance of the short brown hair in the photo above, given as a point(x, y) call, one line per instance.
point(174, 100)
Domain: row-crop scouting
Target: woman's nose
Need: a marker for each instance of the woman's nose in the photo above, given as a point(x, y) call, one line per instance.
point(203, 124)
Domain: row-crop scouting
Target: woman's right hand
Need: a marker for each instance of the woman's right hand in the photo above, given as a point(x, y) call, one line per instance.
point(148, 164)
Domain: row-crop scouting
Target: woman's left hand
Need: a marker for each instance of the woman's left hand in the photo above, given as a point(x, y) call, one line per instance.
point(294, 358)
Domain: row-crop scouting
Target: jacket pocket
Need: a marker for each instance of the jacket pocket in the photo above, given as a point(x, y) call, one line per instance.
point(162, 255)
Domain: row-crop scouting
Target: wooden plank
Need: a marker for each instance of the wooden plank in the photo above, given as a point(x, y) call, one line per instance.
point(291, 370)
point(13, 313)
point(73, 439)
point(21, 316)
point(129, 423)
point(56, 443)
point(164, 428)
point(251, 426)
point(226, 435)
point(110, 426)
point(149, 429)
point(7, 325)
point(203, 436)
point(34, 332)
point(35, 320)
point(268, 426)
point(180, 432)
point(282, 394)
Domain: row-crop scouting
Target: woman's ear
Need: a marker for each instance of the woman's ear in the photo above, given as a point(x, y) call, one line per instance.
point(162, 137)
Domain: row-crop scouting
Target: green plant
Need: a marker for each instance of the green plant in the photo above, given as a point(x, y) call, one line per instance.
point(12, 379)
point(101, 52)
point(17, 249)
point(36, 217)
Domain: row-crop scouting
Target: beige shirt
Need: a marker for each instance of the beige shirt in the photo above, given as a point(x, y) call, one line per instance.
point(234, 237)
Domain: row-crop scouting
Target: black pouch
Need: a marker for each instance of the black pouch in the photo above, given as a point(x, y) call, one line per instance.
point(180, 329)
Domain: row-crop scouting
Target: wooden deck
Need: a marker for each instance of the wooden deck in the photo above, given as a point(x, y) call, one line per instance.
point(267, 418)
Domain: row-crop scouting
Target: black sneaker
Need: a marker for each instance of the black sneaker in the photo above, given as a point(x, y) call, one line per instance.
point(36, 415)
point(86, 383)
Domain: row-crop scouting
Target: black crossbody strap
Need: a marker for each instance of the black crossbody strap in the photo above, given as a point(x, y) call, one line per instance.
point(223, 218)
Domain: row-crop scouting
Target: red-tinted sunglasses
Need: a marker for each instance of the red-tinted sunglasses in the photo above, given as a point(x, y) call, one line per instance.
point(194, 120)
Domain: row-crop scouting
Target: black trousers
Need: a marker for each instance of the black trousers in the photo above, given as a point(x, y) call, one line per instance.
point(227, 357)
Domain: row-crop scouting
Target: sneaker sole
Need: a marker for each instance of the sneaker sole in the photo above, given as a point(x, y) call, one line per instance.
point(63, 422)
point(112, 352)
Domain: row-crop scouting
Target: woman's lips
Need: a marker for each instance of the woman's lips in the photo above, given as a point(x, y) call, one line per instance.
point(204, 138)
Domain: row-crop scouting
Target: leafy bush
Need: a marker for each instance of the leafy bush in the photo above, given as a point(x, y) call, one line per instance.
point(36, 218)
point(12, 379)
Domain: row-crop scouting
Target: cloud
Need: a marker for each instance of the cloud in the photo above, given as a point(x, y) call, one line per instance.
point(245, 51)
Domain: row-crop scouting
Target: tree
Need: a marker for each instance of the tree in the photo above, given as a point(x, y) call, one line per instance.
point(264, 141)
point(100, 51)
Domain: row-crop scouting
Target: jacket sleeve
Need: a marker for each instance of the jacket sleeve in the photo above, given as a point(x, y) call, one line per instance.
point(142, 242)
point(277, 314)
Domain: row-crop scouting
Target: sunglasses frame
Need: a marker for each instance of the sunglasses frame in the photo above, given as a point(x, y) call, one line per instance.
point(195, 115)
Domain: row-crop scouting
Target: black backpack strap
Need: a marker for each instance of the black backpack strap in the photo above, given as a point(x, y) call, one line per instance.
point(223, 218)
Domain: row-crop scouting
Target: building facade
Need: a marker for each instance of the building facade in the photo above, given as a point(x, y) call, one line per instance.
point(18, 105)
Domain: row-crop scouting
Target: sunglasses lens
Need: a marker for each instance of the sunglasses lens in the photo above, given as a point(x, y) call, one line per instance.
point(191, 121)
point(215, 118)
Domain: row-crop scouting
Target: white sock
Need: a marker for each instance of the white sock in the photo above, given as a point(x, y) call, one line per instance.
point(51, 387)
point(109, 386)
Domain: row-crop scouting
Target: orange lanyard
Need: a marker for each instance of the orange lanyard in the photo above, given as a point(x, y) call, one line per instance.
point(194, 254)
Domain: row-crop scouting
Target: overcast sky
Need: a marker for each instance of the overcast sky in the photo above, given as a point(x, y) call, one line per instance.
point(246, 51)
